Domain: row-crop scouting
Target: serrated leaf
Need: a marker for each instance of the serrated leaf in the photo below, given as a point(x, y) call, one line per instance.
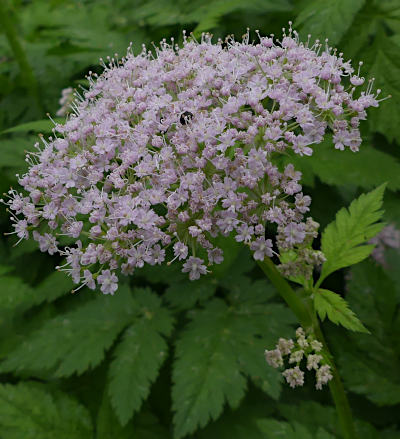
point(107, 424)
point(139, 356)
point(328, 303)
point(75, 341)
point(205, 373)
point(328, 19)
point(144, 425)
point(344, 240)
point(220, 346)
point(28, 411)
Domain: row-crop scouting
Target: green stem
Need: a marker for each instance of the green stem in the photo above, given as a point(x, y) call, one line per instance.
point(287, 292)
point(28, 77)
point(308, 319)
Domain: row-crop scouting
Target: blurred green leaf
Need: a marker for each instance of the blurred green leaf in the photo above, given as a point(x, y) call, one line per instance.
point(28, 411)
point(39, 126)
point(327, 19)
point(367, 168)
point(274, 429)
point(384, 64)
point(372, 294)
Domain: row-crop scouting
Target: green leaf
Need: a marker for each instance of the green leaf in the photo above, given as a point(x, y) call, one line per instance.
point(220, 346)
point(344, 240)
point(328, 303)
point(38, 126)
point(28, 411)
point(312, 415)
point(4, 269)
point(365, 378)
point(239, 423)
point(54, 286)
point(321, 420)
point(75, 341)
point(367, 168)
point(327, 19)
point(139, 356)
point(205, 372)
point(372, 294)
point(144, 425)
point(209, 14)
point(13, 151)
point(384, 65)
point(274, 429)
point(185, 294)
point(16, 295)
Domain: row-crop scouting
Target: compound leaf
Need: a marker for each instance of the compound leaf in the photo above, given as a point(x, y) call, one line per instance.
point(75, 341)
point(344, 240)
point(139, 356)
point(220, 346)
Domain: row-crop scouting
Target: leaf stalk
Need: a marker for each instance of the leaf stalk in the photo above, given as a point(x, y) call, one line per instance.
point(308, 319)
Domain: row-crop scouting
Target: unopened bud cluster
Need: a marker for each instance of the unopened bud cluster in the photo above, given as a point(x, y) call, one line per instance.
point(305, 350)
point(173, 147)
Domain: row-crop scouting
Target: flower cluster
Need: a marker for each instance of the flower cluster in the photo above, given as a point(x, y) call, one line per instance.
point(305, 347)
point(169, 149)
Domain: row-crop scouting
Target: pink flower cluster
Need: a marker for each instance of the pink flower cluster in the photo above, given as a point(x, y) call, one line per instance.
point(167, 150)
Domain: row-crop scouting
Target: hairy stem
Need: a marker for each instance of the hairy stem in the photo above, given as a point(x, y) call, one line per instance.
point(27, 75)
point(308, 319)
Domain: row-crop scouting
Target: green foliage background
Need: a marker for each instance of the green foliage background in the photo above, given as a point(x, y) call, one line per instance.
point(165, 357)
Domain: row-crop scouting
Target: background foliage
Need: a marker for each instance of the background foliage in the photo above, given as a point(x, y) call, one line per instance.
point(165, 357)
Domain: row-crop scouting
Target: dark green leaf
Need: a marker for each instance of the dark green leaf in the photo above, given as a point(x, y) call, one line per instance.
point(327, 19)
point(221, 345)
point(139, 355)
point(27, 411)
point(75, 341)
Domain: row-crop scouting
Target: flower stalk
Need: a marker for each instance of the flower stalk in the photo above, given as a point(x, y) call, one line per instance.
point(308, 319)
